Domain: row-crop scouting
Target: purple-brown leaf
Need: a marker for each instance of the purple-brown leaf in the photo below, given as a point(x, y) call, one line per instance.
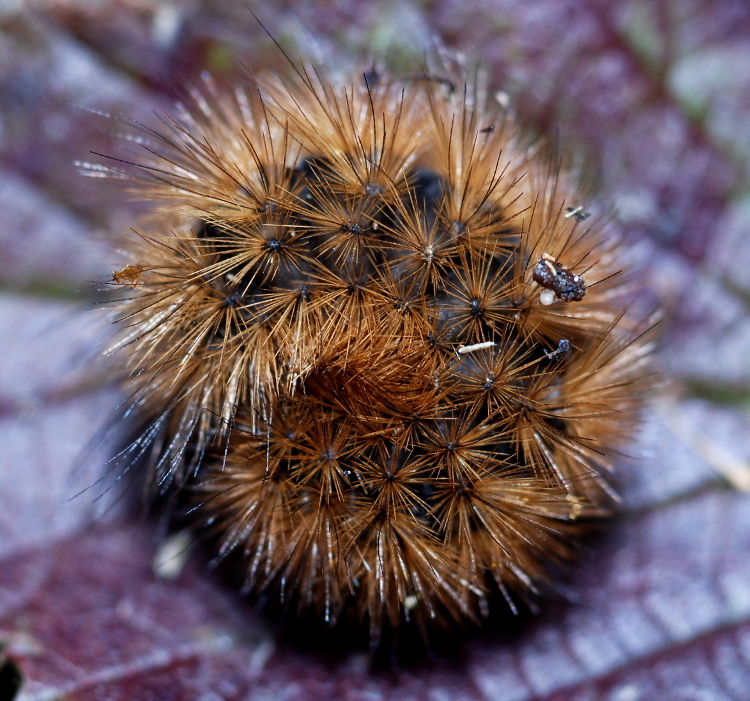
point(651, 95)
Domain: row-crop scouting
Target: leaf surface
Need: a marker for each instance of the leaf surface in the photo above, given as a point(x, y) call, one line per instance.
point(652, 97)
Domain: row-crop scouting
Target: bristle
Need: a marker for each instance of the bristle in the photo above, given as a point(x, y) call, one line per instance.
point(370, 334)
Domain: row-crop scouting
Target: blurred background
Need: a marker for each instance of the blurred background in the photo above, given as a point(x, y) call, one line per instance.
point(650, 99)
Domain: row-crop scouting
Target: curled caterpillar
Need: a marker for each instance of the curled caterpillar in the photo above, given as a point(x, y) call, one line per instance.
point(336, 330)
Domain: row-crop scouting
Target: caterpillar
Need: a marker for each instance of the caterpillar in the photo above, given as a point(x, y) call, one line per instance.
point(375, 343)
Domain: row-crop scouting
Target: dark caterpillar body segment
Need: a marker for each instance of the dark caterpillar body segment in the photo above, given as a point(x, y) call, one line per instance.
point(339, 326)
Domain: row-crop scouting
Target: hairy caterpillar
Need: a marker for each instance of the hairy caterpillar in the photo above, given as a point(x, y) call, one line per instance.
point(375, 340)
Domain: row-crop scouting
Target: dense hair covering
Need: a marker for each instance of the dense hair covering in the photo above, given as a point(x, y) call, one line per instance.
point(373, 337)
